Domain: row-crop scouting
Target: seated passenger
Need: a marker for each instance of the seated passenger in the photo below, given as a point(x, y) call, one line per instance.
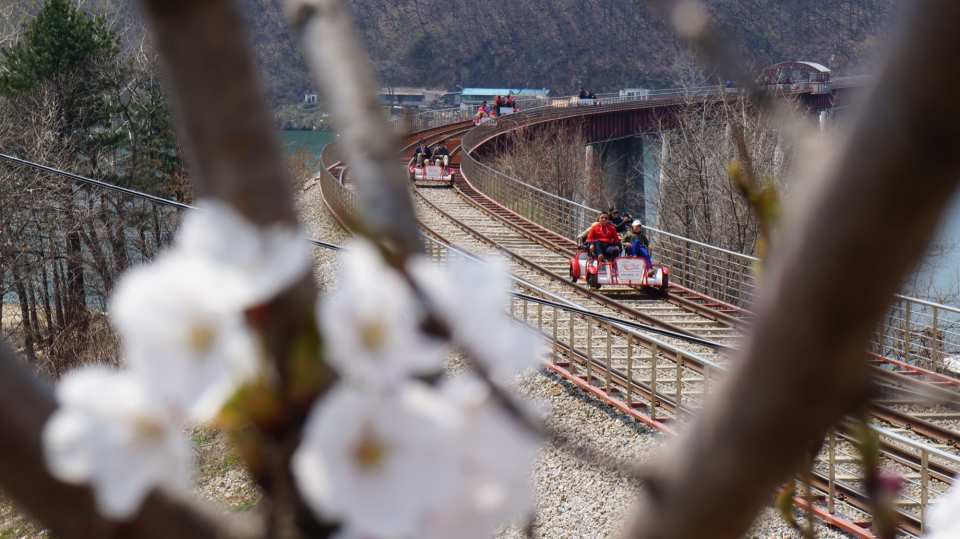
point(627, 219)
point(637, 244)
point(582, 238)
point(603, 238)
point(618, 221)
point(442, 154)
point(422, 153)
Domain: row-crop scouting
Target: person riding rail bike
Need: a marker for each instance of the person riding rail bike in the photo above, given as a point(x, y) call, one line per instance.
point(636, 243)
point(442, 154)
point(422, 153)
point(603, 239)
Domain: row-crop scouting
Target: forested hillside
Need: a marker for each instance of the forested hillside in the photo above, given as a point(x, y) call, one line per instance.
point(563, 44)
point(559, 44)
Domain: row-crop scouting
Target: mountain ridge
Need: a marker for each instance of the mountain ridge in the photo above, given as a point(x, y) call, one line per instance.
point(562, 44)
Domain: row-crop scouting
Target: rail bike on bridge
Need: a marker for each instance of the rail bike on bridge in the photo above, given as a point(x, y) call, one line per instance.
point(631, 271)
point(436, 171)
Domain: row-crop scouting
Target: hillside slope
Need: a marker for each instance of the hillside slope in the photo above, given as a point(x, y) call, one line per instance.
point(563, 44)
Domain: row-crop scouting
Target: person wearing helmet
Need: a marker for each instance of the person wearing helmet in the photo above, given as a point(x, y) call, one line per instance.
point(636, 242)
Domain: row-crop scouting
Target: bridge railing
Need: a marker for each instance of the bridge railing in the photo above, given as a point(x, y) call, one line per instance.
point(916, 331)
point(342, 199)
point(719, 273)
point(922, 333)
point(429, 119)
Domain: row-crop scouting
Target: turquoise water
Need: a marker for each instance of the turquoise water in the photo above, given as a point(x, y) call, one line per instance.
point(311, 142)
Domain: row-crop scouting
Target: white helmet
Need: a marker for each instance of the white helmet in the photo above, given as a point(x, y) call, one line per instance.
point(636, 222)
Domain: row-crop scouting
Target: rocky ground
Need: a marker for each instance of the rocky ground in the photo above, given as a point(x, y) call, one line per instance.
point(575, 498)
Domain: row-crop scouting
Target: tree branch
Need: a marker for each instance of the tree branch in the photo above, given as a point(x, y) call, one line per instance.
point(342, 69)
point(25, 405)
point(849, 245)
point(227, 130)
point(230, 138)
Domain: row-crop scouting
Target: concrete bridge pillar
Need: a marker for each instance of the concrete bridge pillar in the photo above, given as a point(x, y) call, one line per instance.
point(621, 164)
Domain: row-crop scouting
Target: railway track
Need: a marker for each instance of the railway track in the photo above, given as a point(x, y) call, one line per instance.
point(686, 311)
point(665, 379)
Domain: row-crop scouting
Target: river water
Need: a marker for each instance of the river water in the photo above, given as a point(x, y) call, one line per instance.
point(311, 142)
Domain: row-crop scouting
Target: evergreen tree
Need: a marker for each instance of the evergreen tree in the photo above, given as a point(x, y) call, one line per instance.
point(75, 56)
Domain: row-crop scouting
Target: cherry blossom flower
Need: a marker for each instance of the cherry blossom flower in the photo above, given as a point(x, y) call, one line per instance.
point(252, 264)
point(473, 297)
point(109, 433)
point(373, 323)
point(378, 460)
point(943, 517)
point(495, 456)
point(192, 351)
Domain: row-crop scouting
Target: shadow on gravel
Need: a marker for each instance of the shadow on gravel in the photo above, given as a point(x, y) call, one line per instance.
point(575, 392)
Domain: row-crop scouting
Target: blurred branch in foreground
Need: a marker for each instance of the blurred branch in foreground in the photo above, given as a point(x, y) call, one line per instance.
point(869, 218)
point(25, 405)
point(342, 69)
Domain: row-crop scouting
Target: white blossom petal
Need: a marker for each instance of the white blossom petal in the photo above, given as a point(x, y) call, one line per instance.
point(474, 298)
point(378, 461)
point(110, 434)
point(67, 441)
point(192, 351)
point(253, 264)
point(496, 455)
point(943, 516)
point(372, 323)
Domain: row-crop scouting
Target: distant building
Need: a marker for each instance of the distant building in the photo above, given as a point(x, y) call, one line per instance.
point(797, 76)
point(409, 97)
point(310, 100)
point(472, 97)
point(402, 97)
point(642, 93)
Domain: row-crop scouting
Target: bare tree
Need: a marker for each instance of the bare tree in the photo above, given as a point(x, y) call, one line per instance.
point(695, 197)
point(551, 158)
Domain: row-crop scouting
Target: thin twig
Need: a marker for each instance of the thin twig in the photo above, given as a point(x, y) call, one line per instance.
point(342, 70)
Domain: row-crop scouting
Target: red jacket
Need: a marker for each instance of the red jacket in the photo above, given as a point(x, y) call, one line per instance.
point(606, 233)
